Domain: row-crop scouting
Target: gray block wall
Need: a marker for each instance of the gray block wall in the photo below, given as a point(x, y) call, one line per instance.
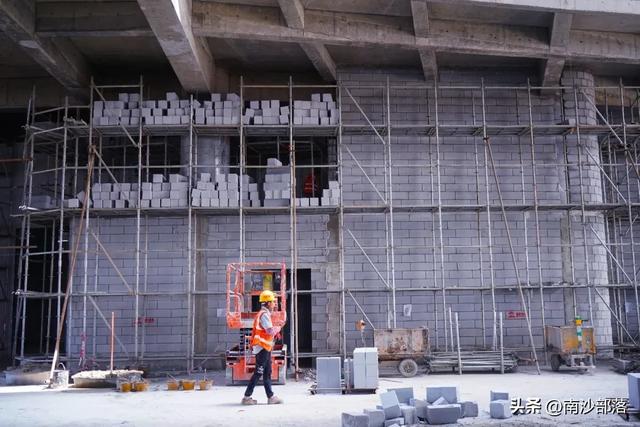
point(468, 260)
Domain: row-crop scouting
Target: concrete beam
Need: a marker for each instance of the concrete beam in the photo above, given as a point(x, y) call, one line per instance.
point(321, 59)
point(421, 27)
point(59, 58)
point(94, 19)
point(189, 55)
point(623, 7)
point(560, 31)
point(552, 71)
point(317, 53)
point(263, 23)
point(559, 35)
point(293, 13)
point(420, 16)
point(429, 64)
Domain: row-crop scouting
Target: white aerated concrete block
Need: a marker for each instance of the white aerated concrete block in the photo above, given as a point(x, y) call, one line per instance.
point(500, 409)
point(443, 414)
point(498, 395)
point(390, 404)
point(450, 393)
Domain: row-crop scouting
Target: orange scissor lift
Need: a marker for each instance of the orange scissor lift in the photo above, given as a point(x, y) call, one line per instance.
point(245, 281)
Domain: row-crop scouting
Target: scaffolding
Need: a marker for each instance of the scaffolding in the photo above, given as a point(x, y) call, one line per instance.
point(62, 137)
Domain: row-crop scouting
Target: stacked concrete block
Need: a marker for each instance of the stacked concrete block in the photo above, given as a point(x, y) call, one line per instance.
point(405, 394)
point(277, 184)
point(498, 395)
point(469, 409)
point(266, 112)
point(449, 393)
point(118, 195)
point(421, 407)
point(442, 405)
point(354, 420)
point(633, 382)
point(305, 202)
point(365, 368)
point(390, 405)
point(500, 404)
point(376, 417)
point(129, 110)
point(221, 109)
point(443, 414)
point(500, 409)
point(320, 111)
point(328, 375)
point(224, 191)
point(331, 195)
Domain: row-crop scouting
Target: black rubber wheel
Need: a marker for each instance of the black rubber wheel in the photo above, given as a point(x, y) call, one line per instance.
point(555, 363)
point(408, 368)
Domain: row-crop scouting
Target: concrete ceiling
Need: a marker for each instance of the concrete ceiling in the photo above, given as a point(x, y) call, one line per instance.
point(75, 39)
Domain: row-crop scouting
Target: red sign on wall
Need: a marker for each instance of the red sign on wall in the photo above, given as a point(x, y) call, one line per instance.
point(145, 320)
point(515, 314)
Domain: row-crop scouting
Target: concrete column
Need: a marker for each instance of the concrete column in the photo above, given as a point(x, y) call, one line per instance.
point(212, 151)
point(333, 283)
point(585, 184)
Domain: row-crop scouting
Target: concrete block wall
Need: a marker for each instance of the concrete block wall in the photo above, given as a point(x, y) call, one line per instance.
point(417, 235)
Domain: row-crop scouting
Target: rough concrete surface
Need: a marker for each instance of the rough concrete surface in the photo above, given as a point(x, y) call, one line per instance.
point(33, 406)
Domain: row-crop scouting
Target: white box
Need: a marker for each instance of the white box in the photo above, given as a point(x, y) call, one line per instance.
point(165, 203)
point(156, 203)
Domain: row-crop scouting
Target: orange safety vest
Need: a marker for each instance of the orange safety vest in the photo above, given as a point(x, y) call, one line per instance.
point(259, 335)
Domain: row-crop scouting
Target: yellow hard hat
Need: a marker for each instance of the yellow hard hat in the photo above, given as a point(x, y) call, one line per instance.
point(267, 296)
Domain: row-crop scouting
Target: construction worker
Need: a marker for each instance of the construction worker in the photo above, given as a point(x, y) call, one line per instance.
point(262, 337)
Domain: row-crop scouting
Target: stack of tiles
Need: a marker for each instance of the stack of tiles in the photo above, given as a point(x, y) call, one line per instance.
point(321, 110)
point(277, 184)
point(266, 113)
point(161, 194)
point(223, 191)
point(218, 111)
point(120, 195)
point(125, 111)
point(169, 111)
point(331, 196)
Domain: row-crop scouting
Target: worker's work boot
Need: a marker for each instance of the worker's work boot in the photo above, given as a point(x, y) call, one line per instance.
point(274, 400)
point(249, 401)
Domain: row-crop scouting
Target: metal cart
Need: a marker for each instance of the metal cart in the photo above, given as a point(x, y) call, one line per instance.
point(572, 346)
point(402, 350)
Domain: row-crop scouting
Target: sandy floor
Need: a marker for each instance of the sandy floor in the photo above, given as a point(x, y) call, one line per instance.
point(33, 406)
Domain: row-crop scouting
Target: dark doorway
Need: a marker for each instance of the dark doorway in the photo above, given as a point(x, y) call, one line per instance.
point(41, 320)
point(305, 344)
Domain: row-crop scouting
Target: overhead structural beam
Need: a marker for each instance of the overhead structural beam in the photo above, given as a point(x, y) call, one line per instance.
point(294, 13)
point(560, 30)
point(420, 15)
point(559, 37)
point(429, 64)
point(212, 19)
point(321, 59)
point(91, 19)
point(189, 55)
point(59, 58)
point(621, 7)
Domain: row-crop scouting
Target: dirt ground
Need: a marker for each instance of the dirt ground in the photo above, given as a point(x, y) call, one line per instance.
point(36, 406)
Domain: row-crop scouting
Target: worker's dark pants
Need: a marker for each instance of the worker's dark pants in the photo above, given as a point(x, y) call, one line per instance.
point(263, 369)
